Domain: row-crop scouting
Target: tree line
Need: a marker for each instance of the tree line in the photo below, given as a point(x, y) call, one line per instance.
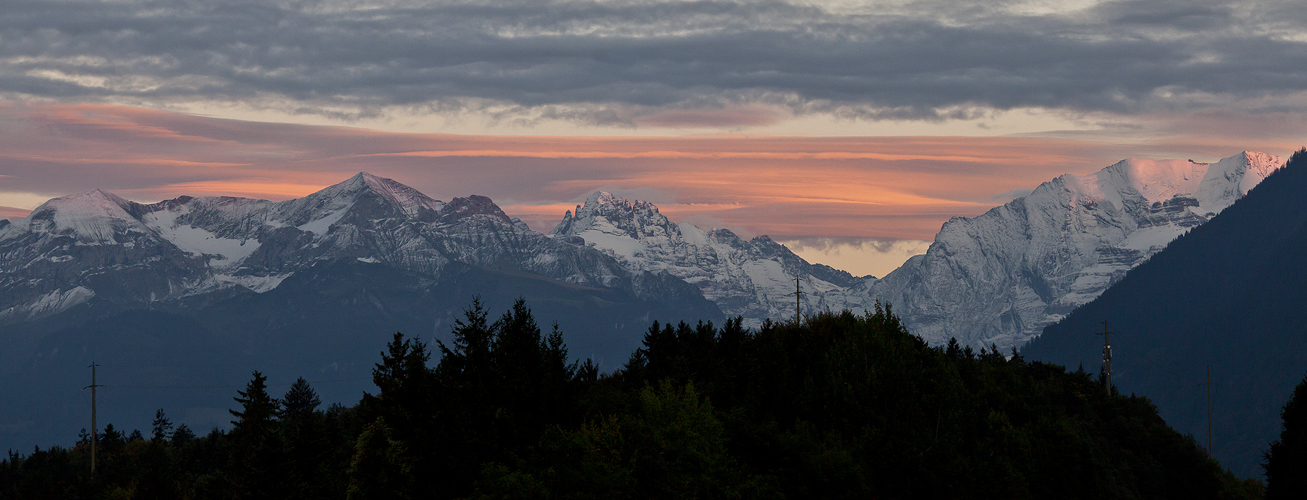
point(838, 406)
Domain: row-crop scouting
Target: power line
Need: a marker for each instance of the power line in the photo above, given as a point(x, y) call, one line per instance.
point(281, 364)
point(1107, 357)
point(798, 300)
point(94, 440)
point(1209, 385)
point(239, 386)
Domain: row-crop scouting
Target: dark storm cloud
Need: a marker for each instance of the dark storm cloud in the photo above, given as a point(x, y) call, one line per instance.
point(616, 62)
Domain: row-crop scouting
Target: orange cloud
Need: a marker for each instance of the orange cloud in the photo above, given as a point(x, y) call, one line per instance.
point(248, 189)
point(12, 213)
point(696, 155)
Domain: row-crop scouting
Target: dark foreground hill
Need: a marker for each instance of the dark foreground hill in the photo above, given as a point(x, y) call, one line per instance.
point(1231, 294)
point(842, 406)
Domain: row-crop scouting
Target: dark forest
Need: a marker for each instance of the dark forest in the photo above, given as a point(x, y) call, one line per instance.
point(839, 406)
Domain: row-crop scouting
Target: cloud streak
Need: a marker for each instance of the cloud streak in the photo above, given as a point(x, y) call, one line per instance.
point(680, 64)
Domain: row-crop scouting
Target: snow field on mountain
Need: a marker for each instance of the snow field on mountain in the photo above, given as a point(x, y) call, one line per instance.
point(256, 284)
point(51, 303)
point(227, 252)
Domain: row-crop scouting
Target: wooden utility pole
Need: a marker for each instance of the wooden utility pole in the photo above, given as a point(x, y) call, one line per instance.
point(1209, 385)
point(94, 432)
point(1107, 357)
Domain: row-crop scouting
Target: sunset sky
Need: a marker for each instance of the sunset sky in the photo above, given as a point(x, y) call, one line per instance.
point(849, 130)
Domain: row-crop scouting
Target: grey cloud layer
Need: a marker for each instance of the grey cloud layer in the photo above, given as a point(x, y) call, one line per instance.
point(612, 62)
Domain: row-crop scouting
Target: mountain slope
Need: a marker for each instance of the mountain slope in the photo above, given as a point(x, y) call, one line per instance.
point(1228, 294)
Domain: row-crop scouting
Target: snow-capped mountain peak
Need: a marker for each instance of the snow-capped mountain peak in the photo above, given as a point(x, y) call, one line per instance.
point(92, 217)
point(1155, 180)
point(1231, 178)
point(625, 228)
point(605, 213)
point(365, 195)
point(463, 207)
point(1001, 277)
point(749, 278)
point(411, 200)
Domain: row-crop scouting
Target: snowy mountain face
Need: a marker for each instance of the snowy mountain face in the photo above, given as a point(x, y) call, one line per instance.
point(996, 279)
point(95, 244)
point(754, 278)
point(1001, 277)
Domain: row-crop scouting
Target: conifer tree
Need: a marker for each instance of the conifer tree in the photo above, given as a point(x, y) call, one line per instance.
point(257, 408)
point(302, 431)
point(257, 460)
point(299, 403)
point(162, 426)
point(403, 371)
point(182, 435)
point(469, 353)
point(1286, 462)
point(111, 439)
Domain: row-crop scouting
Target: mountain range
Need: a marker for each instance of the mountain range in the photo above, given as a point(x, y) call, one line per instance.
point(995, 279)
point(178, 301)
point(314, 286)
